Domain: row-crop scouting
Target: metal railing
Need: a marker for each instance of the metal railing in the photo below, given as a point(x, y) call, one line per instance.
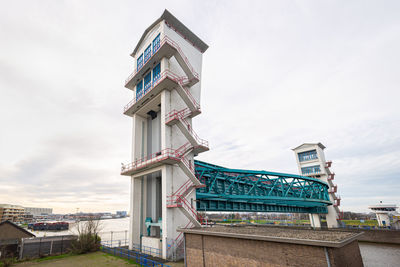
point(151, 159)
point(180, 201)
point(165, 74)
point(181, 115)
point(166, 40)
point(138, 257)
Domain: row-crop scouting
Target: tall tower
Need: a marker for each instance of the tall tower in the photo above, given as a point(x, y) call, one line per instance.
point(166, 96)
point(311, 162)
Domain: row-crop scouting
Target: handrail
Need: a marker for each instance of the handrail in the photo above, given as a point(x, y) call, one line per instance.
point(180, 115)
point(147, 160)
point(165, 74)
point(181, 83)
point(165, 40)
point(175, 199)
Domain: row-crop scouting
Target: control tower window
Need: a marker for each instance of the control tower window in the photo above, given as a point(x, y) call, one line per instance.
point(156, 44)
point(308, 155)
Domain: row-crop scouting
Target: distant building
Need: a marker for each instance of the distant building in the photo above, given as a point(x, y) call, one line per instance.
point(38, 211)
point(122, 213)
point(12, 213)
point(382, 212)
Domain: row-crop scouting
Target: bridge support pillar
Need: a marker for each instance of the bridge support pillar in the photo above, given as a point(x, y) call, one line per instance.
point(315, 220)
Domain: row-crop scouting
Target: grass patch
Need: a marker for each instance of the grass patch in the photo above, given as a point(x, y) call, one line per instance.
point(117, 257)
point(55, 257)
point(358, 222)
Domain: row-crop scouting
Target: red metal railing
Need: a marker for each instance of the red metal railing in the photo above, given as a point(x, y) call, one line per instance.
point(331, 176)
point(165, 74)
point(177, 154)
point(181, 151)
point(151, 159)
point(181, 83)
point(180, 115)
point(333, 189)
point(180, 201)
point(337, 202)
point(166, 40)
point(328, 164)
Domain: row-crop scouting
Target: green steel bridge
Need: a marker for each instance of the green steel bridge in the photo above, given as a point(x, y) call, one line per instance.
point(236, 190)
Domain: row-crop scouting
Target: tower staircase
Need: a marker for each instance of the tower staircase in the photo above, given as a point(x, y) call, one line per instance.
point(333, 190)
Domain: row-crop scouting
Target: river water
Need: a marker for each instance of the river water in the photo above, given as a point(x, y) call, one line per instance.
point(376, 255)
point(115, 229)
point(373, 254)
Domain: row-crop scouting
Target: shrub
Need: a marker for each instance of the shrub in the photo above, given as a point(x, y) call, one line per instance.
point(6, 258)
point(88, 237)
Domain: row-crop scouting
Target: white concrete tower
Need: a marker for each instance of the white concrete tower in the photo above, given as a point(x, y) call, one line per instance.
point(166, 96)
point(311, 162)
point(382, 212)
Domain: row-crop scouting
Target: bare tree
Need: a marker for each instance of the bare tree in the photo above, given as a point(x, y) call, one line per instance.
point(88, 237)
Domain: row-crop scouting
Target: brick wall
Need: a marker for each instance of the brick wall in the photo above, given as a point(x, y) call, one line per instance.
point(205, 250)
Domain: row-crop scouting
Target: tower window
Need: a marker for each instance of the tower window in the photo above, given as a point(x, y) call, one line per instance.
point(311, 169)
point(156, 44)
point(308, 155)
point(156, 72)
point(139, 90)
point(147, 53)
point(147, 82)
point(139, 64)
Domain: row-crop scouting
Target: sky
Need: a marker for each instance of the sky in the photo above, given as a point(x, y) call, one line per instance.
point(277, 74)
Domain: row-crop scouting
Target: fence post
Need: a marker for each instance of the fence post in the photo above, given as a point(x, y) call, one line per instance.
point(51, 247)
point(21, 253)
point(40, 246)
point(111, 238)
point(125, 236)
point(62, 243)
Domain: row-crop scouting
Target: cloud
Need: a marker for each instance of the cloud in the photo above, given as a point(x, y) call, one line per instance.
point(277, 74)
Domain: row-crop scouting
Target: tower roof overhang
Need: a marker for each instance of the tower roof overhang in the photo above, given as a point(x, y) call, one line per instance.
point(177, 25)
point(310, 144)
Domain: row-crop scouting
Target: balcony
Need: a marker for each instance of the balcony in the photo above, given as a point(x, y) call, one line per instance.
point(328, 164)
point(333, 189)
point(166, 156)
point(167, 80)
point(167, 48)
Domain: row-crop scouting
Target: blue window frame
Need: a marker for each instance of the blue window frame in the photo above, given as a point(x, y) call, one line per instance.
point(156, 44)
point(157, 72)
point(308, 155)
point(139, 64)
point(139, 90)
point(310, 170)
point(147, 53)
point(147, 82)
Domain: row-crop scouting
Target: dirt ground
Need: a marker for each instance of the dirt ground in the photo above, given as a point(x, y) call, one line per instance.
point(98, 259)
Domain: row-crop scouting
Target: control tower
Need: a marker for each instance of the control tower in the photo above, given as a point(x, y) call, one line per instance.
point(166, 85)
point(382, 213)
point(311, 162)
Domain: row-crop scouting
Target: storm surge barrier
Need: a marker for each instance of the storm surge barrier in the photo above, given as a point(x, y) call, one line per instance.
point(236, 190)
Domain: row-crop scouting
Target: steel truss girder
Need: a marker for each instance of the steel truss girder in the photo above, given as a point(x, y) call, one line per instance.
point(258, 191)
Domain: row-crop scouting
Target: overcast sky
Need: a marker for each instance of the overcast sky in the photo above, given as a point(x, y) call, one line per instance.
point(277, 74)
